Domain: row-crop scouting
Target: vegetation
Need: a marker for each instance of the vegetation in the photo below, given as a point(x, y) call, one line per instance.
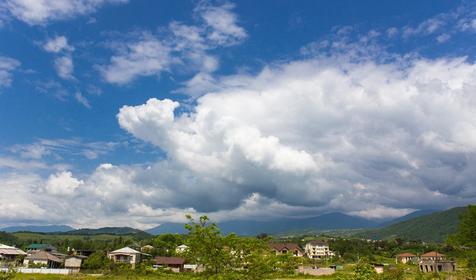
point(434, 227)
point(234, 257)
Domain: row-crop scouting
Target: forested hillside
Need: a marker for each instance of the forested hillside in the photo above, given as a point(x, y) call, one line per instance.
point(433, 227)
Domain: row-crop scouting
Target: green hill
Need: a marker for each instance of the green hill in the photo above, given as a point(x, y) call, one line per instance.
point(433, 227)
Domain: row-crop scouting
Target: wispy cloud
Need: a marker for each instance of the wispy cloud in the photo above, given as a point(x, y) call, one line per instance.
point(7, 66)
point(60, 148)
point(41, 12)
point(64, 63)
point(57, 44)
point(82, 100)
point(150, 54)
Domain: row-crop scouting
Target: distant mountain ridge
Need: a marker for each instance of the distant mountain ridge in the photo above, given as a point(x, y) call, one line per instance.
point(436, 227)
point(41, 229)
point(109, 230)
point(67, 230)
point(250, 227)
point(407, 217)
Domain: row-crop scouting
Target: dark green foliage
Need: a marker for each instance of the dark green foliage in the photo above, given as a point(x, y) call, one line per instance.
point(7, 275)
point(466, 234)
point(364, 271)
point(165, 244)
point(8, 238)
point(434, 227)
point(97, 260)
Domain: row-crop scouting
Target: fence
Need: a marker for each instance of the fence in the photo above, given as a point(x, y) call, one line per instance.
point(62, 271)
point(315, 271)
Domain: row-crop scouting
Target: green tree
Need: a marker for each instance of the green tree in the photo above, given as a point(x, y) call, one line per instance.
point(466, 234)
point(207, 247)
point(364, 271)
point(471, 264)
point(97, 260)
point(10, 274)
point(253, 257)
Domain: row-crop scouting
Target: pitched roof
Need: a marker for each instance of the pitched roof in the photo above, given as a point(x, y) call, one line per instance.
point(285, 246)
point(9, 250)
point(39, 246)
point(125, 250)
point(43, 256)
point(406, 254)
point(169, 260)
point(433, 254)
point(317, 243)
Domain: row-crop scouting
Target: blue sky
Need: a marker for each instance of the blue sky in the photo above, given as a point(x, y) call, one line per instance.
point(141, 111)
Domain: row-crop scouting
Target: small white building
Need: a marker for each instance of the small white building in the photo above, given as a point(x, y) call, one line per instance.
point(181, 249)
point(406, 258)
point(318, 249)
point(126, 255)
point(74, 263)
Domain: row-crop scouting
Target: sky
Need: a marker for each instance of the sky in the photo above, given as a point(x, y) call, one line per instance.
point(135, 113)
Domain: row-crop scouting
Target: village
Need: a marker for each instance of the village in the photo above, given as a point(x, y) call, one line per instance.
point(314, 258)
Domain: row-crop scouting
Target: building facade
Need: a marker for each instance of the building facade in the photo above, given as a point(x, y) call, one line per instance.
point(318, 249)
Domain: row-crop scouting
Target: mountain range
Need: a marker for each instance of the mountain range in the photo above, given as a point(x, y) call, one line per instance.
point(435, 226)
point(286, 225)
point(426, 225)
point(36, 228)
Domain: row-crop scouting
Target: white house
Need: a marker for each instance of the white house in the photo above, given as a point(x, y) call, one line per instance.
point(126, 255)
point(74, 263)
point(406, 258)
point(318, 249)
point(181, 249)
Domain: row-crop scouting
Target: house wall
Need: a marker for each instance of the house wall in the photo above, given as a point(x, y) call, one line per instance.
point(315, 271)
point(131, 259)
point(36, 262)
point(317, 251)
point(73, 263)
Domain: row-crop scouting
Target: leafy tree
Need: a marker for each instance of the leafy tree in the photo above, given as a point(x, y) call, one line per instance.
point(471, 264)
point(253, 257)
point(97, 260)
point(397, 273)
point(364, 271)
point(207, 246)
point(466, 234)
point(7, 275)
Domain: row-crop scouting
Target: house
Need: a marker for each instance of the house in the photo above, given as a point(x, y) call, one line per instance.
point(41, 247)
point(126, 255)
point(9, 254)
point(435, 262)
point(432, 266)
point(181, 249)
point(285, 248)
point(432, 256)
point(318, 249)
point(175, 264)
point(74, 263)
point(42, 259)
point(406, 258)
point(378, 267)
point(147, 248)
